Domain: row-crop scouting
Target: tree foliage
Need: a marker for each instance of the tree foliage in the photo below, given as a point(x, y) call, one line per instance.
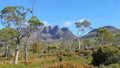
point(106, 55)
point(104, 37)
point(35, 22)
point(5, 34)
point(7, 40)
point(117, 39)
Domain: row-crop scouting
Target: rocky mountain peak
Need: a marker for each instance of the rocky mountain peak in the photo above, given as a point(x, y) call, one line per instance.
point(55, 33)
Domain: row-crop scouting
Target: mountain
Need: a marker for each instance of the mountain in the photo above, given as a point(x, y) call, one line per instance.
point(57, 34)
point(53, 34)
point(111, 29)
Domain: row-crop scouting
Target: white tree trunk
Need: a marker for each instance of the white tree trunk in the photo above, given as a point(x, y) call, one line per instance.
point(25, 53)
point(16, 54)
point(6, 51)
point(79, 44)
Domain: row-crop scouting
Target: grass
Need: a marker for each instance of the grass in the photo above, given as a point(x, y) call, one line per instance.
point(79, 59)
point(42, 60)
point(50, 60)
point(14, 66)
point(69, 65)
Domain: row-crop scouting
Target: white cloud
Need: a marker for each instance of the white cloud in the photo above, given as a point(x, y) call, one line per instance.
point(46, 23)
point(83, 19)
point(68, 23)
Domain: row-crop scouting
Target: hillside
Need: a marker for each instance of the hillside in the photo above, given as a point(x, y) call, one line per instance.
point(92, 33)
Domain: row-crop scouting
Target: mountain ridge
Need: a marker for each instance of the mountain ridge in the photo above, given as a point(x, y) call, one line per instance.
point(57, 34)
point(53, 34)
point(111, 29)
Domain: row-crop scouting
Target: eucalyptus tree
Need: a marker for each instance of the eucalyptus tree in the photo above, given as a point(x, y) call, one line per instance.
point(7, 40)
point(35, 24)
point(82, 28)
point(104, 37)
point(16, 17)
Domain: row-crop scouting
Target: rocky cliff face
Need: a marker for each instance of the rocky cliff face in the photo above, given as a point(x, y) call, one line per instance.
point(52, 34)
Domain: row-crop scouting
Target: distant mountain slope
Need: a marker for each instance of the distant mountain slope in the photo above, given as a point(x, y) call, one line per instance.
point(52, 34)
point(92, 33)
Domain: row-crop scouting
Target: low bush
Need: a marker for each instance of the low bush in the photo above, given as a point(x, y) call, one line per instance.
point(69, 65)
point(113, 66)
point(84, 52)
point(66, 53)
point(106, 55)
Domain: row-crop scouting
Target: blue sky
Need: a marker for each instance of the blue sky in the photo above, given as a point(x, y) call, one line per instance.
point(66, 12)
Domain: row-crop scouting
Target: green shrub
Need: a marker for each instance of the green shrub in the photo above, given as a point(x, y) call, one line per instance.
point(36, 47)
point(66, 53)
point(106, 55)
point(113, 66)
point(84, 52)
